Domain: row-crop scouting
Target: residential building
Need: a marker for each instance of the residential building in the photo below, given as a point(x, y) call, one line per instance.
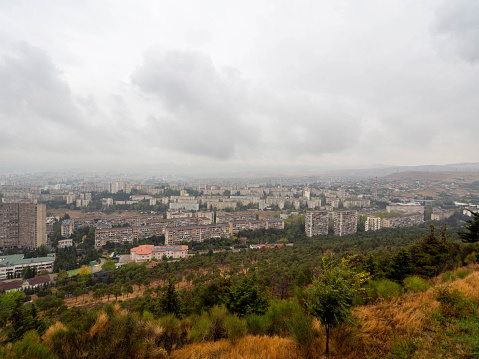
point(438, 215)
point(345, 222)
point(403, 221)
point(188, 206)
point(316, 223)
point(238, 226)
point(372, 223)
point(22, 225)
point(406, 208)
point(196, 233)
point(67, 228)
point(63, 243)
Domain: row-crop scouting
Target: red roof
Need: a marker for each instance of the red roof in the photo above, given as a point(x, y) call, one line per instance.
point(10, 285)
point(39, 280)
point(143, 249)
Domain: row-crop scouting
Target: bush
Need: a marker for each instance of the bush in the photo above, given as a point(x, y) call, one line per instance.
point(448, 276)
point(416, 284)
point(200, 330)
point(454, 304)
point(30, 347)
point(403, 348)
point(279, 315)
point(217, 316)
point(210, 325)
point(385, 289)
point(257, 324)
point(463, 273)
point(301, 328)
point(235, 328)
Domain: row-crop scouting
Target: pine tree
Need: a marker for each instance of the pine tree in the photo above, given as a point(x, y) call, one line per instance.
point(471, 235)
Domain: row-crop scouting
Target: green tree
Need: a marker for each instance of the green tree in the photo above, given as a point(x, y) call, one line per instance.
point(471, 234)
point(246, 299)
point(401, 266)
point(108, 265)
point(330, 298)
point(170, 301)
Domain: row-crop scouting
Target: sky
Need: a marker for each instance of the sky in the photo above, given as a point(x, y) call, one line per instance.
point(237, 85)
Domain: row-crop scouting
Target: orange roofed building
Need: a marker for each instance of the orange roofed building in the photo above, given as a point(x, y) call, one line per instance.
point(147, 252)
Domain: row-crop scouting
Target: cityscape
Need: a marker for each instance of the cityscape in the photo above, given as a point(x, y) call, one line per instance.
point(255, 179)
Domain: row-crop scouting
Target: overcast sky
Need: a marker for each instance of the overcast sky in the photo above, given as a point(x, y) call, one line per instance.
point(207, 85)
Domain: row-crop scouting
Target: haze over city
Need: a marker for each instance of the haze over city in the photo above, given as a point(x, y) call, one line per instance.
point(244, 86)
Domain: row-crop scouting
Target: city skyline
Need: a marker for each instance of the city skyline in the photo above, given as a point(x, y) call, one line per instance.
point(252, 86)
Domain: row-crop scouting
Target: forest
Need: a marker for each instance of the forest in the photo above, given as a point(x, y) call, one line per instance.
point(323, 296)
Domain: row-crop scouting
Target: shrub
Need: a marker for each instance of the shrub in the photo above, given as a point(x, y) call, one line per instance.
point(217, 316)
point(257, 324)
point(463, 273)
point(385, 289)
point(279, 315)
point(454, 304)
point(235, 328)
point(402, 348)
point(448, 276)
point(416, 284)
point(209, 325)
point(301, 328)
point(30, 347)
point(200, 330)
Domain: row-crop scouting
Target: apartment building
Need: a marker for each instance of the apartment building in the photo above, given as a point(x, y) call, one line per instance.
point(238, 226)
point(357, 203)
point(440, 215)
point(148, 229)
point(115, 187)
point(372, 223)
point(345, 222)
point(221, 205)
point(148, 252)
point(316, 223)
point(403, 221)
point(172, 214)
point(22, 225)
point(225, 217)
point(406, 208)
point(314, 203)
point(196, 233)
point(188, 206)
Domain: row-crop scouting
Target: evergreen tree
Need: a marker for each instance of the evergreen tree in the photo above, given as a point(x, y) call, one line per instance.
point(170, 301)
point(471, 234)
point(246, 299)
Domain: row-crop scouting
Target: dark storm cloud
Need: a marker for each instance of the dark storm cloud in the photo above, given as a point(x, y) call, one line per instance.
point(203, 104)
point(458, 22)
point(213, 112)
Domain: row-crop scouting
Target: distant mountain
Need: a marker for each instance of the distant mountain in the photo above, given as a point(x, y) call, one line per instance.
point(381, 171)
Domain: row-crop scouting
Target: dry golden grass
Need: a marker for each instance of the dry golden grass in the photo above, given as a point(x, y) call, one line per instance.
point(248, 347)
point(469, 285)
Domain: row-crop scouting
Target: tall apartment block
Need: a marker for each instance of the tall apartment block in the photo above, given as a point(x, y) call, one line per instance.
point(345, 222)
point(316, 223)
point(372, 223)
point(22, 225)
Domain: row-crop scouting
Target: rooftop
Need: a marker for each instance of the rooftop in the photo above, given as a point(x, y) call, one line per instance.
point(17, 259)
